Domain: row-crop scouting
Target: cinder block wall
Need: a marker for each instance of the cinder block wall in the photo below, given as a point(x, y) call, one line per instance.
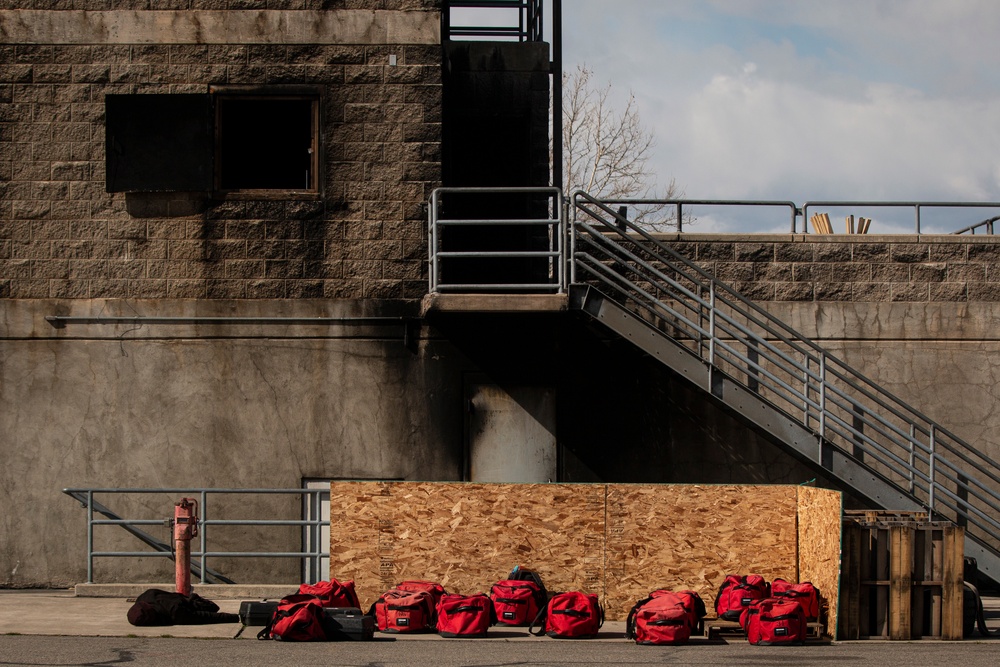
point(63, 236)
point(877, 269)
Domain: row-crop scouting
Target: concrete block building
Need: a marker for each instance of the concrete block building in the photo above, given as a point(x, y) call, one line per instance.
point(214, 252)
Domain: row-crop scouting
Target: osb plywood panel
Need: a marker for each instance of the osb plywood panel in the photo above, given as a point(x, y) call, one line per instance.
point(819, 544)
point(466, 536)
point(691, 537)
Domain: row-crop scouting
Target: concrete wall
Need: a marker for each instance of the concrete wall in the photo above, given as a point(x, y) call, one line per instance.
point(205, 405)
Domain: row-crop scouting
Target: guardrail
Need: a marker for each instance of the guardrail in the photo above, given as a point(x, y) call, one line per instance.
point(546, 251)
point(312, 558)
point(796, 212)
point(525, 26)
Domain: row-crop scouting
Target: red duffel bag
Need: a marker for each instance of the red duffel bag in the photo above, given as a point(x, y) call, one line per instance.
point(774, 622)
point(570, 615)
point(464, 615)
point(404, 611)
point(517, 602)
point(738, 592)
point(332, 593)
point(805, 594)
point(659, 620)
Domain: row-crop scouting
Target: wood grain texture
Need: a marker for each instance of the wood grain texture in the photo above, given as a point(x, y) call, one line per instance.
point(466, 536)
point(620, 540)
point(819, 539)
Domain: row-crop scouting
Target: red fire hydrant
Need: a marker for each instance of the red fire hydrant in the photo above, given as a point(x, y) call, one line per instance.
point(185, 528)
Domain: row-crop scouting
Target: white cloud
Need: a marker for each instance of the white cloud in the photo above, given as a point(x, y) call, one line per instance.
point(768, 99)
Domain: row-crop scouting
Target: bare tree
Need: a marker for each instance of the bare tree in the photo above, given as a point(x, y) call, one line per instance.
point(606, 152)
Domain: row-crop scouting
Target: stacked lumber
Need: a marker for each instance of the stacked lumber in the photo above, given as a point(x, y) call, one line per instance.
point(821, 224)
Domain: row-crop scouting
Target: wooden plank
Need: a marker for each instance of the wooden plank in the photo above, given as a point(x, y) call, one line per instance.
point(880, 548)
point(819, 539)
point(921, 577)
point(850, 224)
point(867, 593)
point(849, 622)
point(937, 574)
point(900, 581)
point(953, 593)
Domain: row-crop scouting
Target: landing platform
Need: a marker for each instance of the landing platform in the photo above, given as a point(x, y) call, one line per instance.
point(493, 303)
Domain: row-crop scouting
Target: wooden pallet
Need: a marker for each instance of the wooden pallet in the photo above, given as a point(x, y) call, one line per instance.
point(870, 517)
point(715, 627)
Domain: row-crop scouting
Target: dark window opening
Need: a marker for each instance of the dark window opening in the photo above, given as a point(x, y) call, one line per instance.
point(267, 143)
point(158, 143)
point(261, 141)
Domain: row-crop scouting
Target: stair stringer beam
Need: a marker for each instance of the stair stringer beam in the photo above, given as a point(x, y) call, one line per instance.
point(806, 444)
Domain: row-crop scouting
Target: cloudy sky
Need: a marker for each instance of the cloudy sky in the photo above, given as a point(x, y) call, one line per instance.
point(806, 100)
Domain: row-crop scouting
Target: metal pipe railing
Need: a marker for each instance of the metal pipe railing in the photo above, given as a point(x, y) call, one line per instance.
point(505, 19)
point(917, 206)
point(795, 211)
point(311, 557)
point(551, 226)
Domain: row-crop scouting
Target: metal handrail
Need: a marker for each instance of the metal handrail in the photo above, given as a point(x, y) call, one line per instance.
point(803, 211)
point(733, 335)
point(528, 27)
point(554, 226)
point(915, 205)
point(987, 224)
point(311, 558)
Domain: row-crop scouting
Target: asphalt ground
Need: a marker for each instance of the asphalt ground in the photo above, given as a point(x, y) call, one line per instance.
point(56, 629)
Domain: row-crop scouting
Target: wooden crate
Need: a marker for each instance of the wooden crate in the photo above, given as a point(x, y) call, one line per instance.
point(902, 579)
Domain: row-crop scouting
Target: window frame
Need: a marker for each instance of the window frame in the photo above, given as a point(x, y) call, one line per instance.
point(292, 93)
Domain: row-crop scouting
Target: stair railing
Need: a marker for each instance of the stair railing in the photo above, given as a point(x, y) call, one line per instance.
point(734, 336)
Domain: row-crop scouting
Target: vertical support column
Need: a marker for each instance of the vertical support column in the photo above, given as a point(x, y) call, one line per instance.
point(849, 619)
point(937, 577)
point(953, 593)
point(900, 581)
point(90, 537)
point(880, 544)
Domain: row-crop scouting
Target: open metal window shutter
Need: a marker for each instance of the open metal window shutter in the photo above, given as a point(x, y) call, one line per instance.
point(159, 143)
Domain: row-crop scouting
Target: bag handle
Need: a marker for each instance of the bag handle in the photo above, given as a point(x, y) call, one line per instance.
point(539, 621)
point(630, 621)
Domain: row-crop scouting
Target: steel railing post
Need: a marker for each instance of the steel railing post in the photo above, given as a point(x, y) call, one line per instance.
point(932, 480)
point(805, 389)
point(432, 215)
point(90, 537)
point(822, 396)
point(314, 557)
point(203, 538)
point(913, 434)
point(711, 323)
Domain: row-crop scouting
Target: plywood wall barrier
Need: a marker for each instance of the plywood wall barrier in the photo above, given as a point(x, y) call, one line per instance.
point(820, 521)
point(618, 540)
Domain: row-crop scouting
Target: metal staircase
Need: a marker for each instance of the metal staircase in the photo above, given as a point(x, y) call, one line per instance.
point(775, 378)
point(785, 384)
